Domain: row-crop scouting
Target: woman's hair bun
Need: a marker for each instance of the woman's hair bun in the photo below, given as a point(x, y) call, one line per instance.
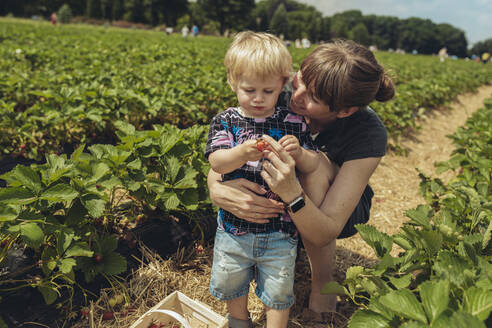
point(386, 89)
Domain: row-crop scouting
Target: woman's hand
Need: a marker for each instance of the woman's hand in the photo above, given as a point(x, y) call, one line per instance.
point(243, 199)
point(279, 172)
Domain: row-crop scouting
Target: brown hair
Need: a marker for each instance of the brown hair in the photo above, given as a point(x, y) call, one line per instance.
point(344, 74)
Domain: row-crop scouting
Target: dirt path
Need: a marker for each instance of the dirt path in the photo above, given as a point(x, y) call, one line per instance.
point(396, 186)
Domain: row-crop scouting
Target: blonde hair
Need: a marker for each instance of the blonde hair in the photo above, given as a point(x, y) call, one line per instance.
point(257, 54)
point(344, 74)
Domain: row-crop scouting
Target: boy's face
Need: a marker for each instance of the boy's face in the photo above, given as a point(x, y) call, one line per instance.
point(257, 97)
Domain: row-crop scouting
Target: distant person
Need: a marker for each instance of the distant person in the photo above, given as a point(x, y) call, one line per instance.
point(184, 31)
point(298, 43)
point(485, 57)
point(194, 30)
point(306, 43)
point(169, 30)
point(443, 54)
point(53, 18)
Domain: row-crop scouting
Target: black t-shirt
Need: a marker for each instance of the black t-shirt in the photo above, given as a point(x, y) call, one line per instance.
point(360, 135)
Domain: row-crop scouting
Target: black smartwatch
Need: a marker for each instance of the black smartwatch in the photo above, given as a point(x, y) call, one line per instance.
point(296, 204)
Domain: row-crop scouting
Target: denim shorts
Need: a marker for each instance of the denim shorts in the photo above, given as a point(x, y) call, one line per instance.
point(268, 257)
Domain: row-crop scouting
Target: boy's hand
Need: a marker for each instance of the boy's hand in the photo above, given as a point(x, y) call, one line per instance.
point(250, 151)
point(291, 145)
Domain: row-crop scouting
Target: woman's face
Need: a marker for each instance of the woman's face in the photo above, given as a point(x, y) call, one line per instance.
point(302, 102)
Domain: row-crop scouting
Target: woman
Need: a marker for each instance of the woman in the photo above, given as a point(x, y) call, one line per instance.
point(332, 90)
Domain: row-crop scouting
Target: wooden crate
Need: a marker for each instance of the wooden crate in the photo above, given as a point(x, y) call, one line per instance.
point(195, 313)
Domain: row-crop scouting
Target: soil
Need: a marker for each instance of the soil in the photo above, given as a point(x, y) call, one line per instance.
point(396, 186)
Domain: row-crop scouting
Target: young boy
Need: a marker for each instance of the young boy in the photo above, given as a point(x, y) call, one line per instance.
point(258, 66)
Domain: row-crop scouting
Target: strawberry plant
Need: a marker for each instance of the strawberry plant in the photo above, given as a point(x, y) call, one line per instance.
point(65, 210)
point(442, 277)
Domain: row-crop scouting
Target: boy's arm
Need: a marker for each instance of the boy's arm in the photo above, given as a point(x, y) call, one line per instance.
point(227, 160)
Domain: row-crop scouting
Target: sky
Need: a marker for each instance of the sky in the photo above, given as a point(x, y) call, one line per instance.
point(474, 17)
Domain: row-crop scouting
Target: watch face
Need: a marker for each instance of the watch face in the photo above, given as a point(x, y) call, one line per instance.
point(297, 205)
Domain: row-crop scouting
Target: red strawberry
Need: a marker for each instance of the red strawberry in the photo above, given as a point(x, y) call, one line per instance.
point(199, 249)
point(98, 258)
point(84, 312)
point(108, 315)
point(261, 145)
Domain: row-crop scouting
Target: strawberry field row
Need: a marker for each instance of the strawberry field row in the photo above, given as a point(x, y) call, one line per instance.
point(443, 275)
point(62, 87)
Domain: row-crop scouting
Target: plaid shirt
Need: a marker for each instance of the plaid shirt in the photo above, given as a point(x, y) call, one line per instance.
point(230, 128)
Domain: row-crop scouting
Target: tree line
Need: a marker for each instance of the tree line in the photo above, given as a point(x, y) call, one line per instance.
point(289, 18)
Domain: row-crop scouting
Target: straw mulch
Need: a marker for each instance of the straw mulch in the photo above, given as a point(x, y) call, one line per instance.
point(396, 185)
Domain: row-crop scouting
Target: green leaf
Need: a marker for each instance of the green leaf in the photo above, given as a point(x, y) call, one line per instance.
point(32, 234)
point(63, 239)
point(66, 265)
point(60, 193)
point(77, 153)
point(435, 298)
point(172, 168)
point(16, 196)
point(99, 170)
point(478, 302)
point(114, 263)
point(405, 304)
point(125, 127)
point(57, 168)
point(333, 287)
point(169, 140)
point(379, 241)
point(108, 244)
point(413, 324)
point(365, 319)
point(487, 236)
point(28, 177)
point(95, 206)
point(402, 242)
point(431, 240)
point(463, 319)
point(453, 267)
point(49, 294)
point(441, 167)
point(49, 257)
point(421, 216)
point(172, 202)
point(135, 164)
point(9, 213)
point(189, 180)
point(401, 282)
point(79, 249)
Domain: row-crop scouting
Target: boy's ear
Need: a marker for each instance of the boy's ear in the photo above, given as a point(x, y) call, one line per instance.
point(347, 112)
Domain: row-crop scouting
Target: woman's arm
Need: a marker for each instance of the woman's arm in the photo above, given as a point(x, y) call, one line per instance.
point(324, 224)
point(242, 198)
